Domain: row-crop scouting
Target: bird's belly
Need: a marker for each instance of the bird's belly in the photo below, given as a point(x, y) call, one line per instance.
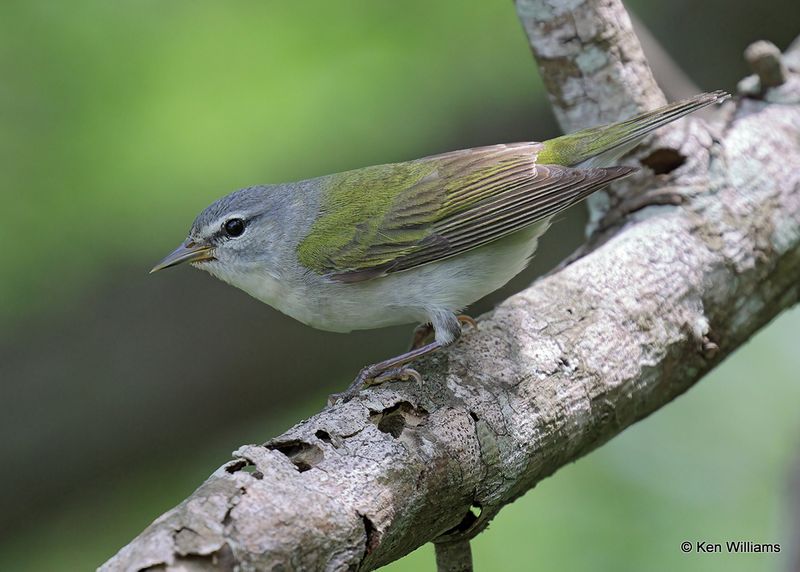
point(409, 296)
point(401, 298)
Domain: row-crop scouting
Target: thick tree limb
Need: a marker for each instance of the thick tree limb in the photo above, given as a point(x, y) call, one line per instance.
point(552, 373)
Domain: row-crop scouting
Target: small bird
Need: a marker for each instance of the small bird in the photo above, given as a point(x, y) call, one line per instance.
point(412, 242)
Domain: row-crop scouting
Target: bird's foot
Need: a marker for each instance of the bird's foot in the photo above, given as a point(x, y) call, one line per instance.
point(396, 374)
point(369, 377)
point(423, 334)
point(391, 369)
point(468, 320)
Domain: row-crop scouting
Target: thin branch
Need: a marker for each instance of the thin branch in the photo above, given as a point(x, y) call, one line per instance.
point(454, 556)
point(590, 60)
point(595, 72)
point(554, 372)
point(793, 536)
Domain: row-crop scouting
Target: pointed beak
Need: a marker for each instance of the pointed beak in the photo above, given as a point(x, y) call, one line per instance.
point(186, 252)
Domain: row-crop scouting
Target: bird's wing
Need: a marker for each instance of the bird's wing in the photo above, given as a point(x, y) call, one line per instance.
point(391, 218)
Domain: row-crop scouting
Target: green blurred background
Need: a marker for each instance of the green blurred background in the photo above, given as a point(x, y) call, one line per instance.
point(121, 392)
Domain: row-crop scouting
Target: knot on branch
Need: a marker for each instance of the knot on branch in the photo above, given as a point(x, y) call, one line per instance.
point(776, 76)
point(764, 58)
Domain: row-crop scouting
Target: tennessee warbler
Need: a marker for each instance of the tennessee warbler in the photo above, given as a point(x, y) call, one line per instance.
point(411, 242)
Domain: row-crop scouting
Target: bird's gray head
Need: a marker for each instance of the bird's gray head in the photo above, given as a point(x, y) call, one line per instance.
point(241, 233)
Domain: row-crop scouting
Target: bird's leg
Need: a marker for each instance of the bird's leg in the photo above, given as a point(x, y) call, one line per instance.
point(423, 333)
point(446, 326)
point(390, 369)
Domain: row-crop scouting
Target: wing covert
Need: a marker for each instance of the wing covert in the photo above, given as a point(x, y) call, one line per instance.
point(391, 218)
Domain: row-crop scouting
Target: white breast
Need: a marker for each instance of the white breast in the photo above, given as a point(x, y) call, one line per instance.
point(400, 298)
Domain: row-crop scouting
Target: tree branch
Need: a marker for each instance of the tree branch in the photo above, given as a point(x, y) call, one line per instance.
point(590, 60)
point(552, 373)
point(595, 72)
point(454, 556)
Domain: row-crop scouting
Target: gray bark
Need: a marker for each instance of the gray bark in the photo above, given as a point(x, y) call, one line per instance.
point(659, 298)
point(591, 61)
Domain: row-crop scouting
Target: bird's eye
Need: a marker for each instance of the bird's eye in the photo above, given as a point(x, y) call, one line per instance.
point(234, 227)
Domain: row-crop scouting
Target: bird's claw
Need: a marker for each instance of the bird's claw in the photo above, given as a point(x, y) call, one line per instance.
point(335, 398)
point(367, 377)
point(469, 320)
point(396, 374)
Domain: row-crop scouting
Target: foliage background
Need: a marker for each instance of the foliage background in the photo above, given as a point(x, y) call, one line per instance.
point(119, 121)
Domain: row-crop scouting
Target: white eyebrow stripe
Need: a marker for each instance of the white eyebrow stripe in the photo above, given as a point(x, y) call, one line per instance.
point(213, 227)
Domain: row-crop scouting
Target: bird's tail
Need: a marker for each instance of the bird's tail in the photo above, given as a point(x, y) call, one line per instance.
point(602, 146)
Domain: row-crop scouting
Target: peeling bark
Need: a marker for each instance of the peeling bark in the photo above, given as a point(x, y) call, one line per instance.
point(553, 372)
